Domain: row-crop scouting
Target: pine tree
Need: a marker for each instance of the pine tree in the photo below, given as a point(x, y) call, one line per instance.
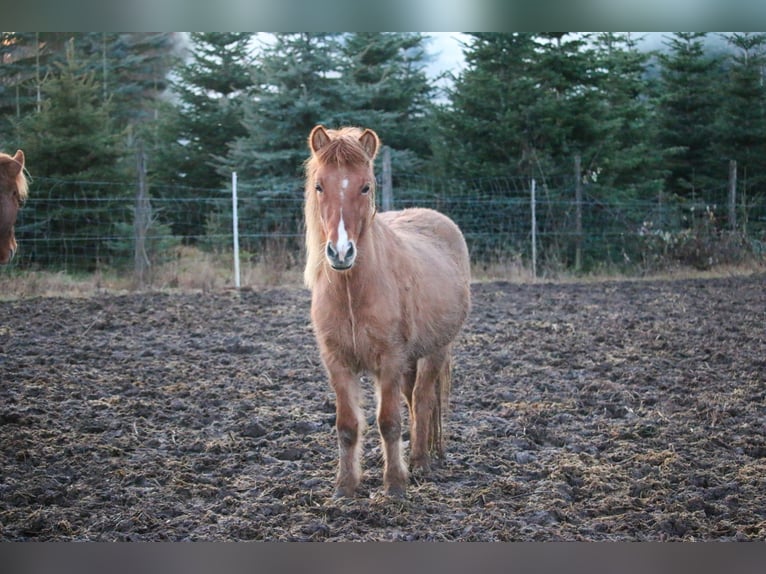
point(390, 92)
point(190, 140)
point(74, 149)
point(566, 115)
point(690, 96)
point(132, 70)
point(484, 129)
point(28, 59)
point(297, 85)
point(627, 162)
point(374, 80)
point(129, 69)
point(742, 122)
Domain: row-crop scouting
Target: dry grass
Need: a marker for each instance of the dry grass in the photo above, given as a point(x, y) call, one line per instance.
point(187, 270)
point(192, 270)
point(515, 271)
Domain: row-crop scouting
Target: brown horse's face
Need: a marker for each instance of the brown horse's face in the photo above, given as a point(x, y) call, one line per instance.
point(10, 202)
point(345, 208)
point(345, 195)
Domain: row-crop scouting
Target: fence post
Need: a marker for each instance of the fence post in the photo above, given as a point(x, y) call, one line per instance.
point(578, 213)
point(733, 194)
point(141, 220)
point(235, 227)
point(533, 202)
point(387, 199)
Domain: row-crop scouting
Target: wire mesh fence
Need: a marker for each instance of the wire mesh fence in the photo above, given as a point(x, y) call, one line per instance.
point(84, 226)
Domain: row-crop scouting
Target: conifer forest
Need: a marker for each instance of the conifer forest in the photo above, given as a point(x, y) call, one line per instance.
point(641, 158)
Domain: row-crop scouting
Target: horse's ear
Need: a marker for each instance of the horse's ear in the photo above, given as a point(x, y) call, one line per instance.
point(370, 142)
point(318, 138)
point(18, 163)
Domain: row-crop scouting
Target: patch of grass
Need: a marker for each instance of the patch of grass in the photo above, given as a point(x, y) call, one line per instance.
point(184, 269)
point(191, 269)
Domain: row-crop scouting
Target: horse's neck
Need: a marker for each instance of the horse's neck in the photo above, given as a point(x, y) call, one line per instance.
point(369, 273)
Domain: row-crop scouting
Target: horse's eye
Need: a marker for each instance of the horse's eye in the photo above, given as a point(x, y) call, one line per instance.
point(366, 189)
point(318, 188)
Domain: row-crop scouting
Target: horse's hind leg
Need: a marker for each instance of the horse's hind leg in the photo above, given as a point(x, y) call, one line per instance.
point(408, 385)
point(349, 425)
point(389, 387)
point(432, 374)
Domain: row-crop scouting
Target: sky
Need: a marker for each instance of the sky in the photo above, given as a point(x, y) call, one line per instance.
point(447, 51)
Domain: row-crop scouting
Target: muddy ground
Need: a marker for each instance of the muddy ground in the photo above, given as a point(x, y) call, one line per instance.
point(603, 411)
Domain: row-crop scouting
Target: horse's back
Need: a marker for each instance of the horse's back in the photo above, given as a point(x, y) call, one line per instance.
point(432, 235)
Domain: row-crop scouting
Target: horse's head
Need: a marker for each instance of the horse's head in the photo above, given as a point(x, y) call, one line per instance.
point(342, 183)
point(13, 192)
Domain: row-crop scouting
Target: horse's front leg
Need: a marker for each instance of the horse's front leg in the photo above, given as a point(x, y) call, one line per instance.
point(389, 383)
point(349, 424)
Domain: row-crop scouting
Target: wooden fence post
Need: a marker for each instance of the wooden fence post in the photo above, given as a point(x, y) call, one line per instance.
point(533, 205)
point(733, 195)
point(141, 220)
point(387, 193)
point(578, 212)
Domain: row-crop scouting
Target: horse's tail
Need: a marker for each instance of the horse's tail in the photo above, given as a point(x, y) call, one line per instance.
point(441, 407)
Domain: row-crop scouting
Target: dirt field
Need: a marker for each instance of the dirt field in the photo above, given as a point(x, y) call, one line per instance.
point(604, 411)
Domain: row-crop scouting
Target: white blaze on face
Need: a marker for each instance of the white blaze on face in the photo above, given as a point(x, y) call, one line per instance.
point(342, 245)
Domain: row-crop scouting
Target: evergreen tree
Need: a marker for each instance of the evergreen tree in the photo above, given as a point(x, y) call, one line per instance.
point(627, 162)
point(74, 150)
point(484, 128)
point(388, 90)
point(28, 59)
point(296, 85)
point(132, 70)
point(567, 112)
point(524, 105)
point(689, 81)
point(190, 140)
point(129, 69)
point(742, 122)
point(374, 80)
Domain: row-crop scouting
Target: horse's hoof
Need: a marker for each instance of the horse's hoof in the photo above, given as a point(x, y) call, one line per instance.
point(341, 493)
point(421, 466)
point(395, 492)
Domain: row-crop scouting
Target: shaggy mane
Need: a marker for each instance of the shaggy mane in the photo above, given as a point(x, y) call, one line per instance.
point(22, 186)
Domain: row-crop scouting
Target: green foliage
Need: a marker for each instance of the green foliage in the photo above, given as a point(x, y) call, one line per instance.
point(626, 163)
point(687, 109)
point(527, 103)
point(374, 80)
point(387, 88)
point(129, 69)
point(72, 141)
point(484, 128)
point(654, 133)
point(296, 85)
point(742, 116)
point(194, 135)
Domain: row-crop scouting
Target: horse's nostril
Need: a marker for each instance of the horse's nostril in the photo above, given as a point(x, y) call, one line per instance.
point(331, 252)
point(350, 251)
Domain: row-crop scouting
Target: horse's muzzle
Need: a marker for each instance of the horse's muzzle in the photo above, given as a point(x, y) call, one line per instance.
point(343, 259)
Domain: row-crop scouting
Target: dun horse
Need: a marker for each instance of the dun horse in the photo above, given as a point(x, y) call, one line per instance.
point(13, 192)
point(390, 292)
